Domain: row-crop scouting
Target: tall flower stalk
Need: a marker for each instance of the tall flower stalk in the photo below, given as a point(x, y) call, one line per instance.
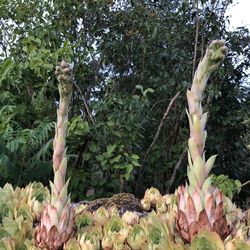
point(200, 205)
point(57, 221)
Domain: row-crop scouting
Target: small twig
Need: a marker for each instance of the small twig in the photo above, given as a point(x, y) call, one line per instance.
point(177, 165)
point(157, 102)
point(85, 103)
point(242, 185)
point(160, 126)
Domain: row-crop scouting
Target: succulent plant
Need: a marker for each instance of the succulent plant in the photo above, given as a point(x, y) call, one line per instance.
point(116, 229)
point(19, 208)
point(130, 218)
point(101, 215)
point(57, 221)
point(137, 237)
point(200, 205)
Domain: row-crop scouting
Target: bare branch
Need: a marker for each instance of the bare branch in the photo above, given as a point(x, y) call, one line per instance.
point(175, 169)
point(160, 125)
point(85, 103)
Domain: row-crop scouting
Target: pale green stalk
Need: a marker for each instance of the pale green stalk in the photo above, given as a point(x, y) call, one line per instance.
point(57, 221)
point(198, 168)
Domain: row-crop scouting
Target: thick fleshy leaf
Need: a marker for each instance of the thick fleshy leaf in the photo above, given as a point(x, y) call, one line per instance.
point(209, 164)
point(190, 211)
point(197, 201)
point(198, 170)
point(194, 228)
point(53, 189)
point(219, 211)
point(63, 166)
point(181, 202)
point(52, 212)
point(196, 90)
point(207, 185)
point(207, 240)
point(191, 177)
point(191, 102)
point(221, 227)
point(191, 189)
point(219, 197)
point(203, 220)
point(183, 225)
point(203, 121)
point(46, 222)
point(59, 206)
point(196, 131)
point(193, 150)
point(58, 181)
point(209, 207)
point(64, 193)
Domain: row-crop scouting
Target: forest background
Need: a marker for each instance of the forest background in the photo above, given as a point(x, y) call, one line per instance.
point(133, 62)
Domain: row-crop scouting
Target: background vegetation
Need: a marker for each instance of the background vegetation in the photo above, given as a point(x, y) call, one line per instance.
point(130, 59)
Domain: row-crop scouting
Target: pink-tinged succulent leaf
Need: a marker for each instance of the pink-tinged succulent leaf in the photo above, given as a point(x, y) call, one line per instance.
point(63, 166)
point(190, 210)
point(209, 207)
point(183, 223)
point(58, 151)
point(46, 222)
point(182, 202)
point(196, 92)
point(204, 221)
point(58, 181)
point(219, 211)
point(203, 207)
point(197, 201)
point(219, 197)
point(53, 215)
point(194, 228)
point(191, 102)
point(63, 223)
point(59, 206)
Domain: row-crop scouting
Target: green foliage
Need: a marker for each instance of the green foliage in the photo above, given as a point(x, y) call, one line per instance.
point(130, 58)
point(228, 186)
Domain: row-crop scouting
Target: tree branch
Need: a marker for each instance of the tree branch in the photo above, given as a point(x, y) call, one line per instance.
point(85, 103)
point(160, 125)
point(175, 169)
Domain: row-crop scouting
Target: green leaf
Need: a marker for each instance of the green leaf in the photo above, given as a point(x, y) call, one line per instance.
point(111, 148)
point(5, 68)
point(115, 159)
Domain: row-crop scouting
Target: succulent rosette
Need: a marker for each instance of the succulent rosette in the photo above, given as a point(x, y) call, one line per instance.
point(200, 205)
point(57, 221)
point(137, 237)
point(201, 209)
point(117, 229)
